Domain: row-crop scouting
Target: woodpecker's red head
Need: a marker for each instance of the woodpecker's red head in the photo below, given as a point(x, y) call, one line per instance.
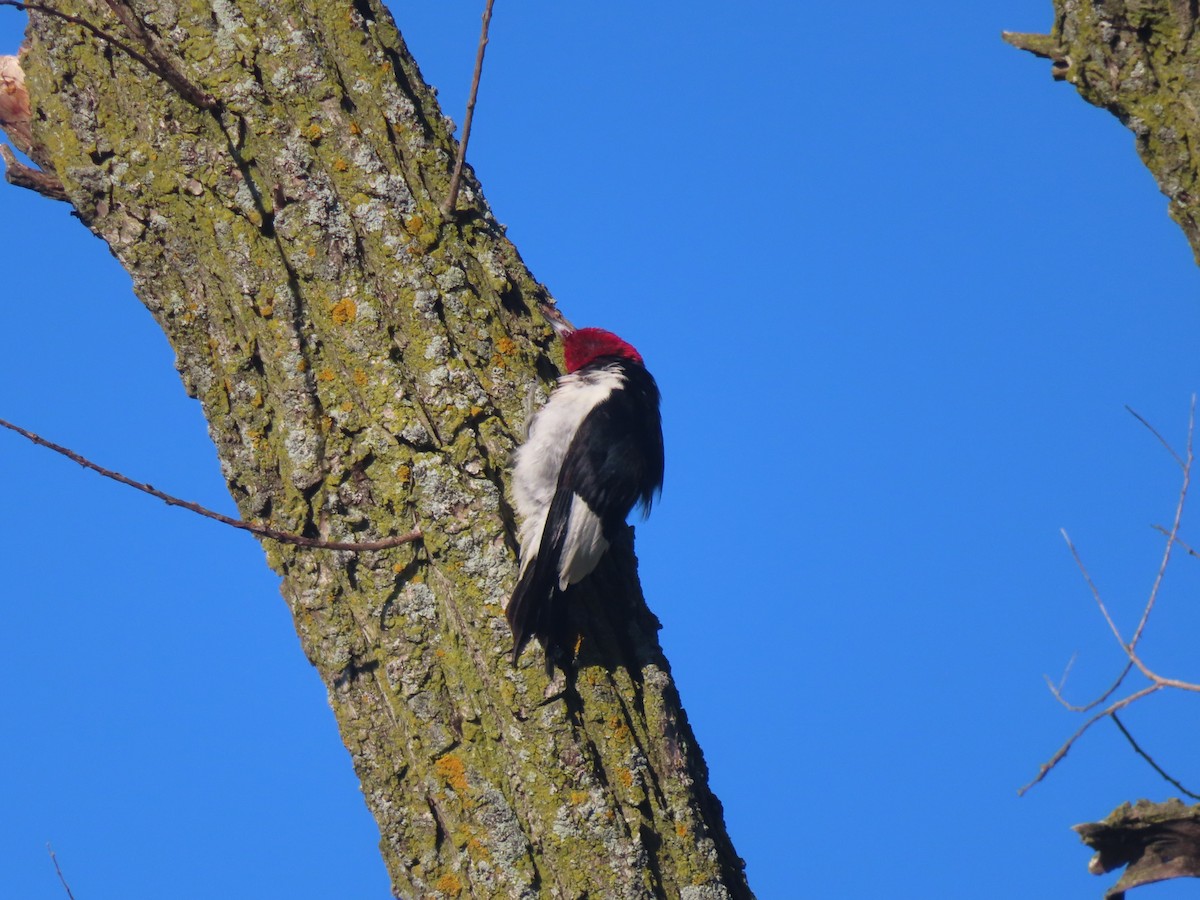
point(587, 344)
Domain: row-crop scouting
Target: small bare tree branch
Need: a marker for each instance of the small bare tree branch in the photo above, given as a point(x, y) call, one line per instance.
point(1154, 431)
point(1087, 577)
point(1066, 747)
point(1146, 756)
point(261, 530)
point(1134, 660)
point(452, 196)
point(1057, 690)
point(1162, 569)
point(54, 859)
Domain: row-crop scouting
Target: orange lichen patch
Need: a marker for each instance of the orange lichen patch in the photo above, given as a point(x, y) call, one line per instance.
point(256, 401)
point(506, 345)
point(626, 778)
point(360, 377)
point(404, 474)
point(314, 132)
point(681, 829)
point(302, 366)
point(312, 252)
point(347, 406)
point(469, 838)
point(476, 410)
point(620, 730)
point(414, 225)
point(326, 375)
point(451, 768)
point(449, 884)
point(577, 797)
point(340, 165)
point(344, 311)
point(266, 310)
point(354, 129)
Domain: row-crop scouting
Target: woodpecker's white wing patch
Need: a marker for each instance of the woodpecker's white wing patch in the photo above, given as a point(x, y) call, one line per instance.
point(584, 545)
point(531, 539)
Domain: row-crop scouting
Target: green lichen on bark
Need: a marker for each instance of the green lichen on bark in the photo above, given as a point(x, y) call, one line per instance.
point(1139, 59)
point(364, 365)
point(1153, 842)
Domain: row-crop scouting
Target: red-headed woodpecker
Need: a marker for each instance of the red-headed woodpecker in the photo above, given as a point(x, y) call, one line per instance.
point(593, 451)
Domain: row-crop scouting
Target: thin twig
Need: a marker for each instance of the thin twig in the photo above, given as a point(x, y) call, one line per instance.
point(158, 63)
point(1058, 691)
point(261, 530)
point(1154, 431)
point(1146, 756)
point(452, 197)
point(1187, 548)
point(164, 65)
point(1095, 590)
point(1170, 545)
point(54, 859)
point(1065, 748)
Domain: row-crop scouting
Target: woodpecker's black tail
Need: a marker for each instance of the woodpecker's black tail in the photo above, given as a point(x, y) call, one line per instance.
point(529, 612)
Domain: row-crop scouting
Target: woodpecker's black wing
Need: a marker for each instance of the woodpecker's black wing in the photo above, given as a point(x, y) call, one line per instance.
point(616, 458)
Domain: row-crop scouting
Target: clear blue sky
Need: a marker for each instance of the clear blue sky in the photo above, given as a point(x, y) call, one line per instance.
point(896, 285)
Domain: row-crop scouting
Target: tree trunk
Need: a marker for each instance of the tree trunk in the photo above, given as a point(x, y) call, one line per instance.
point(270, 174)
point(1140, 60)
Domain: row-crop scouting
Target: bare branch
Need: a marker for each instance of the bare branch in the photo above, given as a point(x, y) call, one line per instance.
point(1095, 590)
point(1058, 691)
point(1066, 748)
point(1154, 431)
point(54, 859)
point(161, 62)
point(1157, 682)
point(260, 530)
point(1187, 548)
point(1146, 756)
point(1166, 558)
point(452, 197)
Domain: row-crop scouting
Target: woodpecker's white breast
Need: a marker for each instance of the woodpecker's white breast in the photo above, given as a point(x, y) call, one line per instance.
point(539, 460)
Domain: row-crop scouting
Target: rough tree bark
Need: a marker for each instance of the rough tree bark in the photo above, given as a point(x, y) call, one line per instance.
point(1140, 60)
point(364, 363)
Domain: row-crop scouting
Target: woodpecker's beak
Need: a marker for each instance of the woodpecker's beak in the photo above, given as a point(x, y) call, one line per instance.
point(561, 327)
